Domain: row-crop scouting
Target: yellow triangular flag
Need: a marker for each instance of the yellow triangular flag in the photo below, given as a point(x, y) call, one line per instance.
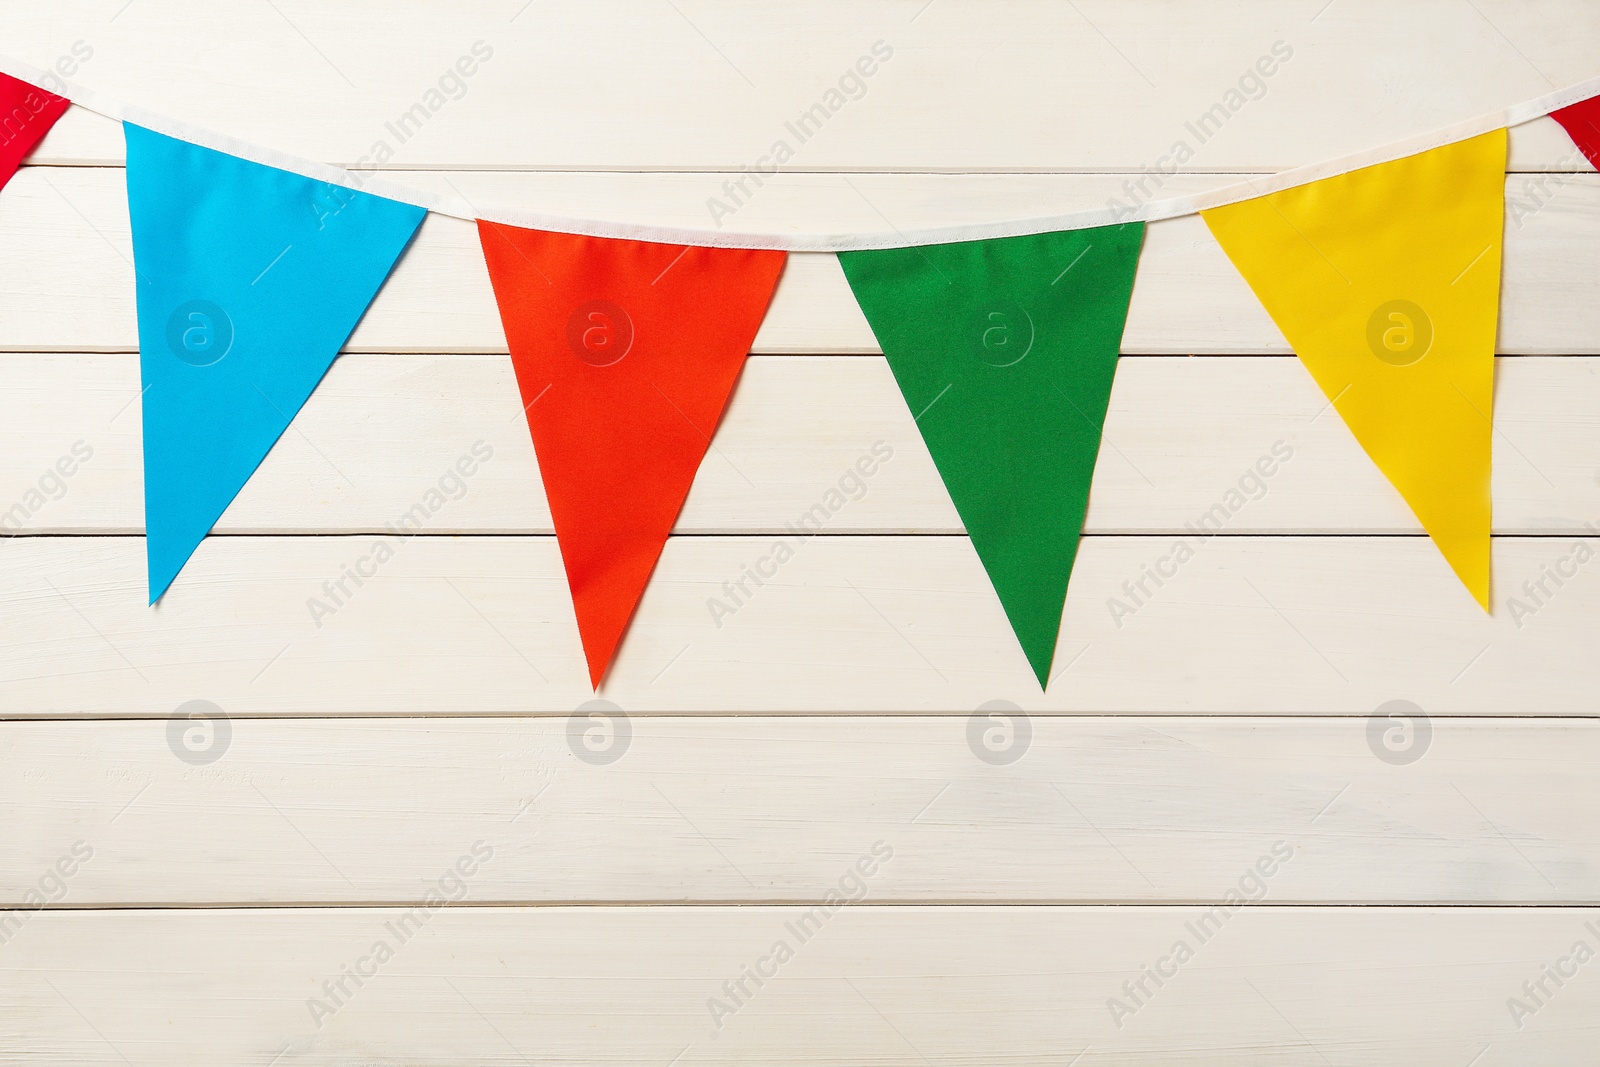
point(1386, 282)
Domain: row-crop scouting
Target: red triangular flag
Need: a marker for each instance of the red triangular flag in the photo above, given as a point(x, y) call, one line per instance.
point(26, 114)
point(625, 353)
point(1582, 123)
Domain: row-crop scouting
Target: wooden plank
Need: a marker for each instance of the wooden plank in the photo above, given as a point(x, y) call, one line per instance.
point(83, 138)
point(381, 431)
point(857, 624)
point(751, 810)
point(711, 84)
point(66, 283)
point(68, 279)
point(773, 745)
point(865, 984)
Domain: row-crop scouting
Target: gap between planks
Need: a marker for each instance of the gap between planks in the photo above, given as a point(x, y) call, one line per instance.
point(789, 902)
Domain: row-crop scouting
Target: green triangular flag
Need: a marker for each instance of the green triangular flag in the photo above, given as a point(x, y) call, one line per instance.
point(1005, 351)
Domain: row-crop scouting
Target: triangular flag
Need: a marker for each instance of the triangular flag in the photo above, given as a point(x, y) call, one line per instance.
point(625, 354)
point(1005, 352)
point(1386, 282)
point(250, 279)
point(1582, 123)
point(26, 114)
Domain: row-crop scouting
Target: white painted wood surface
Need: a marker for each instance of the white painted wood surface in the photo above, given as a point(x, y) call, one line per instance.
point(381, 430)
point(1096, 85)
point(767, 809)
point(1187, 297)
point(1230, 711)
point(451, 625)
point(941, 985)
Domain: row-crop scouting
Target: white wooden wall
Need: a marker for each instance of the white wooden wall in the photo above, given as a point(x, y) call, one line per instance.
point(1180, 754)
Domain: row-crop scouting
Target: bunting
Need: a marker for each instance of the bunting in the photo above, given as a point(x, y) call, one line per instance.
point(26, 114)
point(1005, 352)
point(249, 280)
point(625, 355)
point(1383, 277)
point(1582, 123)
point(1386, 282)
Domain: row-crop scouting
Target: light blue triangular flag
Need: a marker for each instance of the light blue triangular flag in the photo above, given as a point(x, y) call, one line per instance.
point(250, 279)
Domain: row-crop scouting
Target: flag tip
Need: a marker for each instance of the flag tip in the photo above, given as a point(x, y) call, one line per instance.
point(1041, 671)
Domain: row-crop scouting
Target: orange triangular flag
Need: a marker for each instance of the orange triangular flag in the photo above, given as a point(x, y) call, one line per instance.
point(625, 353)
point(1386, 281)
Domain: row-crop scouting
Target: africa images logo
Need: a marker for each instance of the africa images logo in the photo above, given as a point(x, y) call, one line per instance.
point(199, 332)
point(1399, 333)
point(1004, 335)
point(600, 333)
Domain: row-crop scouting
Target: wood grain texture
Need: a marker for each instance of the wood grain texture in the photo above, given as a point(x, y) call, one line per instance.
point(66, 283)
point(852, 624)
point(381, 432)
point(1135, 810)
point(1220, 713)
point(884, 985)
point(710, 84)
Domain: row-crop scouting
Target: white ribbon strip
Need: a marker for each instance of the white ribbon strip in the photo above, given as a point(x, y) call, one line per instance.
point(458, 207)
